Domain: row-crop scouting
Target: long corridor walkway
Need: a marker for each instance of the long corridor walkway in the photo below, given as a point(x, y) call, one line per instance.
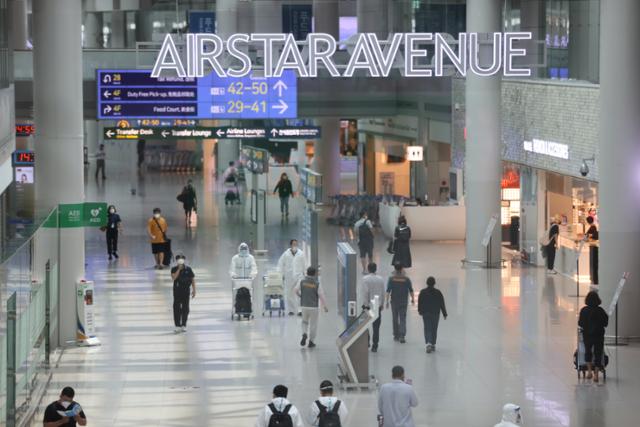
point(510, 335)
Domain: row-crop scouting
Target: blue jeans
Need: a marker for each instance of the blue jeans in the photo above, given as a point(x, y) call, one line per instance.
point(284, 205)
point(399, 315)
point(430, 321)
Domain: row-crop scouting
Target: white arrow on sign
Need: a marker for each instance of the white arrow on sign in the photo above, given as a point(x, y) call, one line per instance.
point(274, 132)
point(220, 133)
point(106, 78)
point(165, 133)
point(110, 133)
point(280, 86)
point(282, 107)
point(107, 94)
point(107, 109)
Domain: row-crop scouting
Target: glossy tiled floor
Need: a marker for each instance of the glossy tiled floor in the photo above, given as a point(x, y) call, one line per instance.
point(509, 338)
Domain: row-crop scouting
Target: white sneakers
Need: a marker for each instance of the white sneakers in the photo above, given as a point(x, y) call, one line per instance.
point(179, 329)
point(431, 348)
point(184, 329)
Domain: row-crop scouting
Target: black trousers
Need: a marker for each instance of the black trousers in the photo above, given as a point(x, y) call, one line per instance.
point(431, 321)
point(593, 347)
point(551, 256)
point(180, 307)
point(376, 328)
point(100, 167)
point(399, 316)
point(112, 240)
point(593, 264)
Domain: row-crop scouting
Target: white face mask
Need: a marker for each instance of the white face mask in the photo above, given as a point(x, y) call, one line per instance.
point(180, 261)
point(65, 404)
point(112, 211)
point(156, 215)
point(294, 249)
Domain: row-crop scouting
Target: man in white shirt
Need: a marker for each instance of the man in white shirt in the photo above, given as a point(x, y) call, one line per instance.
point(328, 406)
point(281, 408)
point(292, 265)
point(373, 286)
point(395, 400)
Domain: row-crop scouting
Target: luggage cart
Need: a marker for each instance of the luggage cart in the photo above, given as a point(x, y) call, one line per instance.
point(273, 294)
point(580, 364)
point(236, 285)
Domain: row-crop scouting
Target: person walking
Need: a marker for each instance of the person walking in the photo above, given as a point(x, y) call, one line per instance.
point(285, 191)
point(100, 156)
point(399, 289)
point(311, 295)
point(243, 264)
point(292, 265)
point(373, 286)
point(157, 230)
point(401, 243)
point(327, 410)
point(554, 233)
point(112, 229)
point(593, 320)
point(430, 304)
point(279, 412)
point(395, 400)
point(64, 412)
point(189, 201)
point(593, 237)
point(363, 229)
point(184, 286)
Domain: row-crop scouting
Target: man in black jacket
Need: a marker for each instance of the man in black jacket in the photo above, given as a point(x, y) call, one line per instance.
point(430, 304)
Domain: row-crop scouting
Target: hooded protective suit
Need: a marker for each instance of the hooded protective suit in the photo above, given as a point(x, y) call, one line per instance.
point(511, 416)
point(293, 267)
point(243, 264)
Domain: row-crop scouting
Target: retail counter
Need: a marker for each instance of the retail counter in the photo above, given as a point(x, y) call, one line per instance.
point(568, 245)
point(426, 222)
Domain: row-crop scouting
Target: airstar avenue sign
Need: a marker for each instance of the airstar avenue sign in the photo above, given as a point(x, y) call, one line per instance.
point(412, 54)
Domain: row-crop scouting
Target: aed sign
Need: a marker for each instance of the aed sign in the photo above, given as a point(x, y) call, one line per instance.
point(415, 153)
point(412, 54)
point(547, 148)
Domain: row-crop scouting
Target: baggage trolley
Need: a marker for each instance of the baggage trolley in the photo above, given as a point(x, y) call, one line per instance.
point(273, 294)
point(579, 362)
point(237, 311)
point(231, 191)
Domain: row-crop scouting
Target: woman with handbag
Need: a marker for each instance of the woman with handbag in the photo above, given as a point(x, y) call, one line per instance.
point(401, 243)
point(552, 244)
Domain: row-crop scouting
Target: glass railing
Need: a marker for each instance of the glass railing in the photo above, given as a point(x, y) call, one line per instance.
point(28, 313)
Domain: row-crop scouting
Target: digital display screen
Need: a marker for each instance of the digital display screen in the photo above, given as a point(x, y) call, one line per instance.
point(24, 175)
point(23, 158)
point(25, 129)
point(135, 94)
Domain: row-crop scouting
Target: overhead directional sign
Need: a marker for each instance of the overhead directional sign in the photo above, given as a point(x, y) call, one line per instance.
point(135, 94)
point(227, 132)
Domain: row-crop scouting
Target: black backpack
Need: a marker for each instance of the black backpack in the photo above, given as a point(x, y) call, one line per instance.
point(280, 419)
point(243, 301)
point(364, 233)
point(328, 418)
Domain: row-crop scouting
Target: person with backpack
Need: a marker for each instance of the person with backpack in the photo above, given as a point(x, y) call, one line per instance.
point(311, 295)
point(189, 201)
point(279, 412)
point(328, 411)
point(363, 229)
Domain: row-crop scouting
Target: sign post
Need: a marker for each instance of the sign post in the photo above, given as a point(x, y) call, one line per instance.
point(256, 161)
point(488, 236)
point(614, 305)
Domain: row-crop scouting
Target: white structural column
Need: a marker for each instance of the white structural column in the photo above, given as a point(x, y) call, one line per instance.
point(57, 81)
point(326, 159)
point(226, 18)
point(373, 17)
point(619, 159)
point(18, 27)
point(483, 166)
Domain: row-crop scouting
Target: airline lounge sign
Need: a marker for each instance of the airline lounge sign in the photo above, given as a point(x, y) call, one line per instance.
point(413, 54)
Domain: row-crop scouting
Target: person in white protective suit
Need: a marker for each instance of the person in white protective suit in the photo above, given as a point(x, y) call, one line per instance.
point(511, 416)
point(292, 265)
point(243, 264)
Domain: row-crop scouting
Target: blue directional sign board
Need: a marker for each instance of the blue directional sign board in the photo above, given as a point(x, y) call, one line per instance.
point(135, 94)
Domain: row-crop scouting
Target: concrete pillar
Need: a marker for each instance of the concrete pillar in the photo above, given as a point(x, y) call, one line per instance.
point(226, 18)
point(421, 167)
point(326, 17)
point(326, 159)
point(533, 20)
point(57, 101)
point(618, 167)
point(267, 16)
point(118, 30)
point(483, 166)
point(373, 17)
point(18, 24)
point(245, 11)
point(92, 36)
point(584, 33)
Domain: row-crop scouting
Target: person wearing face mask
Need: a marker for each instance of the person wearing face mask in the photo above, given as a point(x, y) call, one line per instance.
point(157, 230)
point(64, 412)
point(189, 201)
point(511, 416)
point(112, 229)
point(284, 190)
point(183, 282)
point(243, 264)
point(292, 266)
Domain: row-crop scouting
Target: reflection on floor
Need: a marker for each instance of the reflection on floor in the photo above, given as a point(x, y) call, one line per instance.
point(510, 335)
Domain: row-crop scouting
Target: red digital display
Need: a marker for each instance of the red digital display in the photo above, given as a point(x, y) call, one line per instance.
point(25, 130)
point(24, 158)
